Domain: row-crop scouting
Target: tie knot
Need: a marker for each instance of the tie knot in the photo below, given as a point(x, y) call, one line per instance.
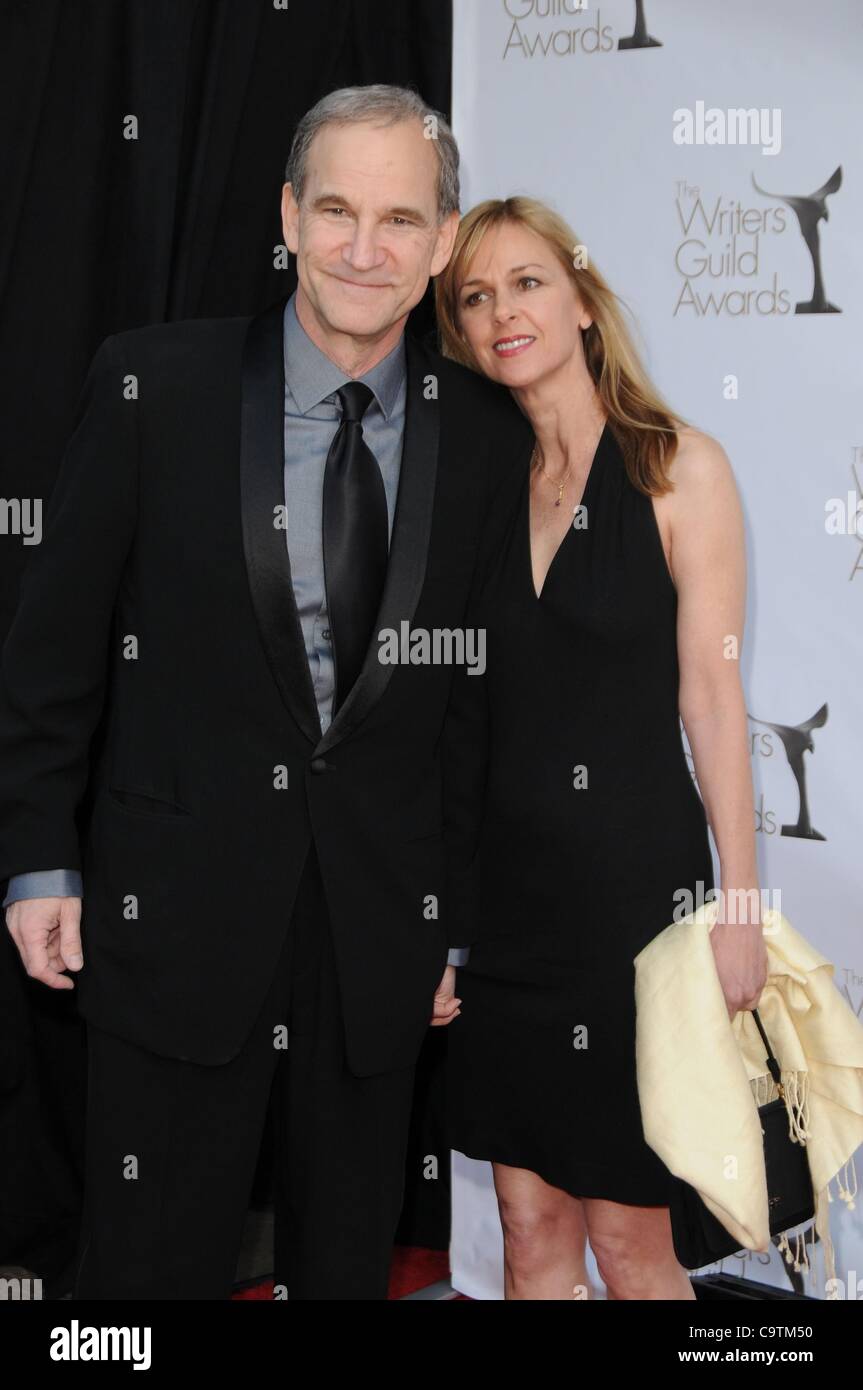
point(356, 398)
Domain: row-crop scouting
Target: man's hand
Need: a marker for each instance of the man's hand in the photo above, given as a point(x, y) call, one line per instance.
point(446, 1006)
point(47, 932)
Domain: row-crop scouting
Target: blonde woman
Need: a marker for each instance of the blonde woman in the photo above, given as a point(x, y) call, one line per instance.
point(612, 612)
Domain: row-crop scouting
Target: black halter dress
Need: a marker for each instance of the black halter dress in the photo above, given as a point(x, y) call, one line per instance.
point(592, 825)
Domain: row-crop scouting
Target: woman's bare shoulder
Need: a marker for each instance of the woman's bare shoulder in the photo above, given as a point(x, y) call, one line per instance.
point(701, 469)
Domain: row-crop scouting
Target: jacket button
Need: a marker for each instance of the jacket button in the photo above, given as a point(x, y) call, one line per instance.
point(319, 765)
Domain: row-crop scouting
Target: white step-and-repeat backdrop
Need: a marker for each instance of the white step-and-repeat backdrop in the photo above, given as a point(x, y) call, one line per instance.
point(737, 246)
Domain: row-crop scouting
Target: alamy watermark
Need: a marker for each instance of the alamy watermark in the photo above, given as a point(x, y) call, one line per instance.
point(21, 516)
point(738, 906)
point(84, 1343)
point(710, 125)
point(437, 646)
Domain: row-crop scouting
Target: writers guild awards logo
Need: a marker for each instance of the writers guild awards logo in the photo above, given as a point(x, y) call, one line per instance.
point(640, 38)
point(810, 210)
point(797, 740)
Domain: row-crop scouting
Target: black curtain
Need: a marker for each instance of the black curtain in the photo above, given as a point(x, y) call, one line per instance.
point(143, 153)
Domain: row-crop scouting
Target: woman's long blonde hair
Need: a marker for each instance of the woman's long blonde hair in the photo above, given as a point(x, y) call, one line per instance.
point(642, 423)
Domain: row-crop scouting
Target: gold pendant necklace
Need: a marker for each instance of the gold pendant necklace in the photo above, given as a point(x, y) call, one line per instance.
point(559, 485)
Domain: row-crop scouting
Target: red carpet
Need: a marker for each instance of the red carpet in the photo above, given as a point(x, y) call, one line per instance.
point(412, 1268)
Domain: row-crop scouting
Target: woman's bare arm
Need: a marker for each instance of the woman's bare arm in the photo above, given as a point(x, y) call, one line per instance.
point(708, 563)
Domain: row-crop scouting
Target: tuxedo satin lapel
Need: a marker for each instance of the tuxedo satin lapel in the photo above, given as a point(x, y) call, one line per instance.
point(262, 490)
point(409, 543)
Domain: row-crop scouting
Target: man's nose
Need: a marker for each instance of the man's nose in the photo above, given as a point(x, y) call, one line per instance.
point(363, 249)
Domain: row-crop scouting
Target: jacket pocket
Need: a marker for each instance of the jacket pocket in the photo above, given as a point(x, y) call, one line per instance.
point(145, 803)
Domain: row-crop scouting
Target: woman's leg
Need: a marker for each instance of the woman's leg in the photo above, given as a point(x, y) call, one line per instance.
point(544, 1236)
point(634, 1251)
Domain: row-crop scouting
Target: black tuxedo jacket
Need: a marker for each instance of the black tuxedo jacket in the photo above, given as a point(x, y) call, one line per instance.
point(158, 728)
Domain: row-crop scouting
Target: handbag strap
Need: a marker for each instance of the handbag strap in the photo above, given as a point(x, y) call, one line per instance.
point(772, 1064)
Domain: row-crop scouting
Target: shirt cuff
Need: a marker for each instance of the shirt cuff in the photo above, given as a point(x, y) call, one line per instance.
point(458, 955)
point(44, 883)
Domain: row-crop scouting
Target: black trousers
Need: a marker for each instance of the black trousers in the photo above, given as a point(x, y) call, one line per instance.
point(172, 1146)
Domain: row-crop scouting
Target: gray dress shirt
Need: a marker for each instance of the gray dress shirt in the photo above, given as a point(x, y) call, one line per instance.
point(312, 414)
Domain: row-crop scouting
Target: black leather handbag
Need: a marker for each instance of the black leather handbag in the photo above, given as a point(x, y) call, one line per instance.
point(728, 1288)
point(698, 1237)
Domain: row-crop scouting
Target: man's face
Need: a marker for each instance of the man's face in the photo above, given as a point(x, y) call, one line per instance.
point(366, 235)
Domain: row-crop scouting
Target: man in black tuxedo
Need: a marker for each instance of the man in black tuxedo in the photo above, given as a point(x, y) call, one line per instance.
point(273, 827)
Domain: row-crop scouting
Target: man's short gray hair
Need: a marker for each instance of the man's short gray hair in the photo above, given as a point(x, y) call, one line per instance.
point(381, 104)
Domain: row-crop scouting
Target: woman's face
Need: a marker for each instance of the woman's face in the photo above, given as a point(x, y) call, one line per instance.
point(518, 309)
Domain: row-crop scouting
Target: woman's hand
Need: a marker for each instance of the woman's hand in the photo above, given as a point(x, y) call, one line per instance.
point(741, 957)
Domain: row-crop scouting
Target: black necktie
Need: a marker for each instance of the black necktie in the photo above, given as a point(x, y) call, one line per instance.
point(355, 534)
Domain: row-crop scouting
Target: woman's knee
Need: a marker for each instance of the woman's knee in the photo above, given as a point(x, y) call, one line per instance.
point(634, 1250)
point(530, 1229)
point(626, 1267)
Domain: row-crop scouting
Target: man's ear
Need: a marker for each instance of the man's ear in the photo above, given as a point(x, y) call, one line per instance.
point(290, 218)
point(446, 236)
